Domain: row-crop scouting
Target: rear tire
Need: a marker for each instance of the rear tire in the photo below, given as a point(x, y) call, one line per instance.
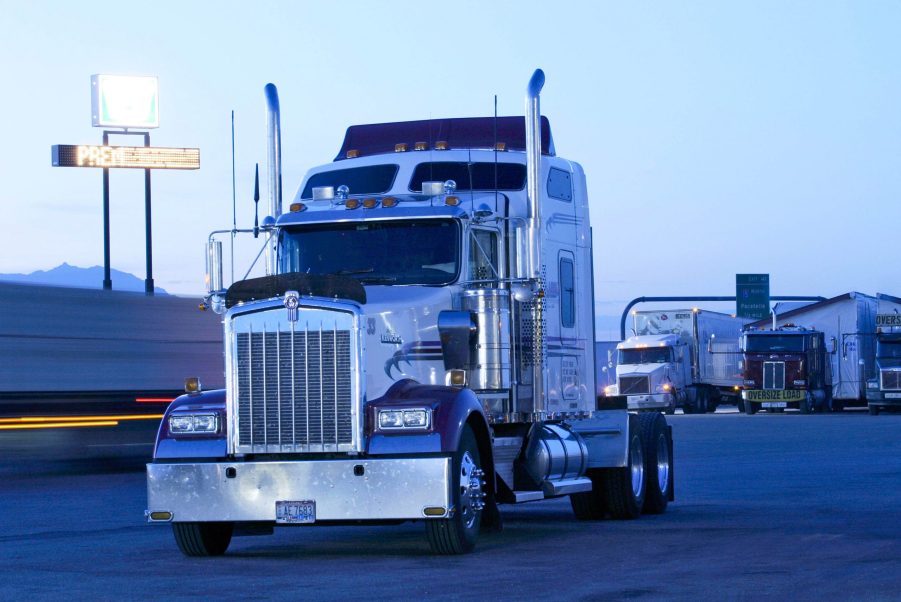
point(203, 539)
point(458, 534)
point(750, 408)
point(658, 462)
point(625, 487)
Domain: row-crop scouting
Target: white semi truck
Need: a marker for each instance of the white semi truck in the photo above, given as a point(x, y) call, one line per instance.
point(421, 350)
point(688, 358)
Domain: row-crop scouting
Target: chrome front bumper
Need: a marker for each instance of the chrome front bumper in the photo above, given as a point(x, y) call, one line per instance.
point(647, 402)
point(388, 489)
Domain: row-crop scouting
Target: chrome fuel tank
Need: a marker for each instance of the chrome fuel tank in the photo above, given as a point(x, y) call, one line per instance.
point(490, 367)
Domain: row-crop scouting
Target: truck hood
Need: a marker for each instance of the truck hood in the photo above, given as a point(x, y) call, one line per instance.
point(400, 330)
point(888, 364)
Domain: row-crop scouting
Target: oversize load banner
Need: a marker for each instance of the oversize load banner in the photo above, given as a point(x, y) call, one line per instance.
point(135, 157)
point(762, 395)
point(888, 320)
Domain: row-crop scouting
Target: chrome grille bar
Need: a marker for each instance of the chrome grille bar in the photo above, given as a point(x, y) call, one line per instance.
point(294, 386)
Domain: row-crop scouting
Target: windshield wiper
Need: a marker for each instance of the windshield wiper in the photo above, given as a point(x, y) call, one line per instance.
point(377, 280)
point(356, 271)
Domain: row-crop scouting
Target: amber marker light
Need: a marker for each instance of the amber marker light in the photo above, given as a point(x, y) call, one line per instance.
point(400, 148)
point(389, 201)
point(500, 146)
point(453, 201)
point(421, 146)
point(297, 207)
point(370, 203)
point(353, 153)
point(441, 145)
point(351, 203)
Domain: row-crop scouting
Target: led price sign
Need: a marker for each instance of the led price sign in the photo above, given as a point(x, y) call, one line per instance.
point(137, 157)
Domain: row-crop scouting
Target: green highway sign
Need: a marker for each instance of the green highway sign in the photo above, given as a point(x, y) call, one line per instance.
point(752, 295)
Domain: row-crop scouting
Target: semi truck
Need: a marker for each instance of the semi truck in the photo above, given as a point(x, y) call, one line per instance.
point(421, 349)
point(816, 357)
point(884, 390)
point(686, 358)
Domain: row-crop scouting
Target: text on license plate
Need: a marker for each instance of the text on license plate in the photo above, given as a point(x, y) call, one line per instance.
point(773, 404)
point(893, 395)
point(291, 513)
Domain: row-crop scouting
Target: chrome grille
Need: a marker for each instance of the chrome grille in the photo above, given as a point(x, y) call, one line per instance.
point(891, 380)
point(773, 375)
point(294, 384)
point(634, 385)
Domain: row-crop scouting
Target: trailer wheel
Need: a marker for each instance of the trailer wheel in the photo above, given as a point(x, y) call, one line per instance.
point(838, 405)
point(458, 534)
point(625, 487)
point(658, 462)
point(590, 505)
point(203, 539)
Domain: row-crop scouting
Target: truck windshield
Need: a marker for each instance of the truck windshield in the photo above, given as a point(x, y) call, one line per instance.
point(423, 252)
point(765, 343)
point(888, 350)
point(645, 355)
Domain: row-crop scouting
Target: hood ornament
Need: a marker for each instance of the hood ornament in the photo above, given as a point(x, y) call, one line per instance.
point(292, 302)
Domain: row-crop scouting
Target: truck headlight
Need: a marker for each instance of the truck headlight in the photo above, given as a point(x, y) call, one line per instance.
point(184, 423)
point(408, 418)
point(872, 384)
point(611, 390)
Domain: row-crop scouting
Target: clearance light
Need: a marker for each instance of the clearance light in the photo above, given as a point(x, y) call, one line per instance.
point(160, 516)
point(389, 201)
point(370, 203)
point(353, 153)
point(500, 146)
point(192, 385)
point(351, 203)
point(456, 378)
point(441, 145)
point(297, 207)
point(421, 146)
point(453, 201)
point(434, 511)
point(400, 148)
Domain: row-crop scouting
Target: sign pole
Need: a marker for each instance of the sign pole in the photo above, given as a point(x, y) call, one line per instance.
point(148, 283)
point(107, 281)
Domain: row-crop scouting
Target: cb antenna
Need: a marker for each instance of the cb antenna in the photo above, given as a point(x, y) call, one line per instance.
point(256, 202)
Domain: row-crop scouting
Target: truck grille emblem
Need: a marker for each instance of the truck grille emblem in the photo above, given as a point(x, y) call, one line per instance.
point(292, 302)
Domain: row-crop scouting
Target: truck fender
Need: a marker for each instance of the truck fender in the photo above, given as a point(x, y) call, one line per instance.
point(208, 446)
point(452, 409)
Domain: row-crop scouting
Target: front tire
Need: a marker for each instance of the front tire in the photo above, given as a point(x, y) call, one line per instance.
point(658, 462)
point(458, 534)
point(203, 539)
point(625, 487)
point(750, 408)
point(873, 410)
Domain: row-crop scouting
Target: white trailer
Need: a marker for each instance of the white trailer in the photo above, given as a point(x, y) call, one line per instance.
point(687, 358)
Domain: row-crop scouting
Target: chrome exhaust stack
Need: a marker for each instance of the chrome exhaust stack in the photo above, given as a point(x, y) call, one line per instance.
point(533, 173)
point(533, 237)
point(275, 171)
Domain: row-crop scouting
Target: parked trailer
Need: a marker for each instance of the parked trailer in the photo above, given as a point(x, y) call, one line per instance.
point(422, 350)
point(686, 358)
point(847, 324)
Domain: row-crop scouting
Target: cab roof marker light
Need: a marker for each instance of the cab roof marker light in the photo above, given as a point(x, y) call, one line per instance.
point(421, 146)
point(389, 201)
point(452, 200)
point(400, 147)
point(370, 203)
point(297, 207)
point(351, 203)
point(500, 146)
point(353, 153)
point(441, 145)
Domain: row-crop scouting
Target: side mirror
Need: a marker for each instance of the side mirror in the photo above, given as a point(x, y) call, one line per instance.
point(833, 344)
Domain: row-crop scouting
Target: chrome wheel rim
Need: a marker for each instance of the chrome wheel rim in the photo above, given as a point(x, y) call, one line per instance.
point(470, 490)
point(662, 463)
point(637, 467)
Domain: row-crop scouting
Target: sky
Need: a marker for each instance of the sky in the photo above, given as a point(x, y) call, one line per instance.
point(717, 137)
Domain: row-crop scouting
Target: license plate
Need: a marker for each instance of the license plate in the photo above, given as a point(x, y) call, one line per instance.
point(893, 395)
point(774, 404)
point(295, 513)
